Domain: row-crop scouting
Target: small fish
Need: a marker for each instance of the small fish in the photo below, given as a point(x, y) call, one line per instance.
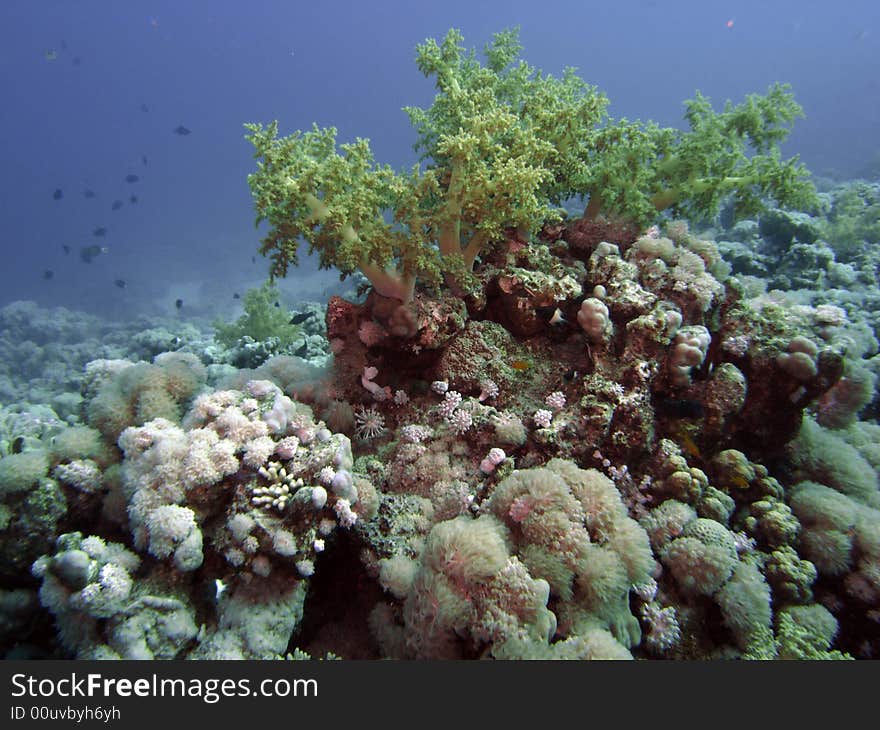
point(680, 407)
point(48, 274)
point(178, 303)
point(17, 444)
point(121, 283)
point(182, 131)
point(520, 365)
point(300, 318)
point(302, 350)
point(132, 199)
point(58, 194)
point(219, 588)
point(89, 193)
point(50, 54)
point(738, 481)
point(144, 160)
point(65, 248)
point(117, 204)
point(145, 108)
point(253, 259)
point(557, 318)
point(87, 253)
point(131, 178)
point(236, 296)
point(99, 231)
point(689, 446)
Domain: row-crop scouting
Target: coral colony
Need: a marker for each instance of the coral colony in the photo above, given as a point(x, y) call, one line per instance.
point(540, 432)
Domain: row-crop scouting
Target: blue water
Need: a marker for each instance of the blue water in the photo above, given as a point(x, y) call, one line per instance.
point(91, 90)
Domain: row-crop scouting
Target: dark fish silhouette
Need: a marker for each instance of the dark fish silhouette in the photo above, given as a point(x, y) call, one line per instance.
point(100, 231)
point(117, 204)
point(18, 444)
point(58, 194)
point(88, 193)
point(48, 274)
point(145, 108)
point(236, 296)
point(144, 160)
point(680, 407)
point(300, 318)
point(182, 131)
point(178, 303)
point(120, 283)
point(277, 305)
point(253, 259)
point(131, 178)
point(132, 199)
point(65, 248)
point(88, 253)
point(301, 351)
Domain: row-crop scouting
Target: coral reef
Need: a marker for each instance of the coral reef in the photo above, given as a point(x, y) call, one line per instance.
point(536, 434)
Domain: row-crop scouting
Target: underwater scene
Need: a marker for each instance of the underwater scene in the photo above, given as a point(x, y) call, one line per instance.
point(556, 336)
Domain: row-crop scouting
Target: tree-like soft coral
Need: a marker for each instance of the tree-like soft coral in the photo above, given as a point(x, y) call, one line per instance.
point(262, 319)
point(854, 219)
point(505, 143)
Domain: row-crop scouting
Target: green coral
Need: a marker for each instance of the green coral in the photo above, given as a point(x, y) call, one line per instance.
point(261, 320)
point(807, 632)
point(31, 523)
point(141, 392)
point(502, 145)
point(746, 607)
point(732, 152)
point(19, 472)
point(790, 576)
point(854, 221)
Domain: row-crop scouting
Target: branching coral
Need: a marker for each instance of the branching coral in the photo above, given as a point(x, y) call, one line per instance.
point(262, 319)
point(505, 143)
